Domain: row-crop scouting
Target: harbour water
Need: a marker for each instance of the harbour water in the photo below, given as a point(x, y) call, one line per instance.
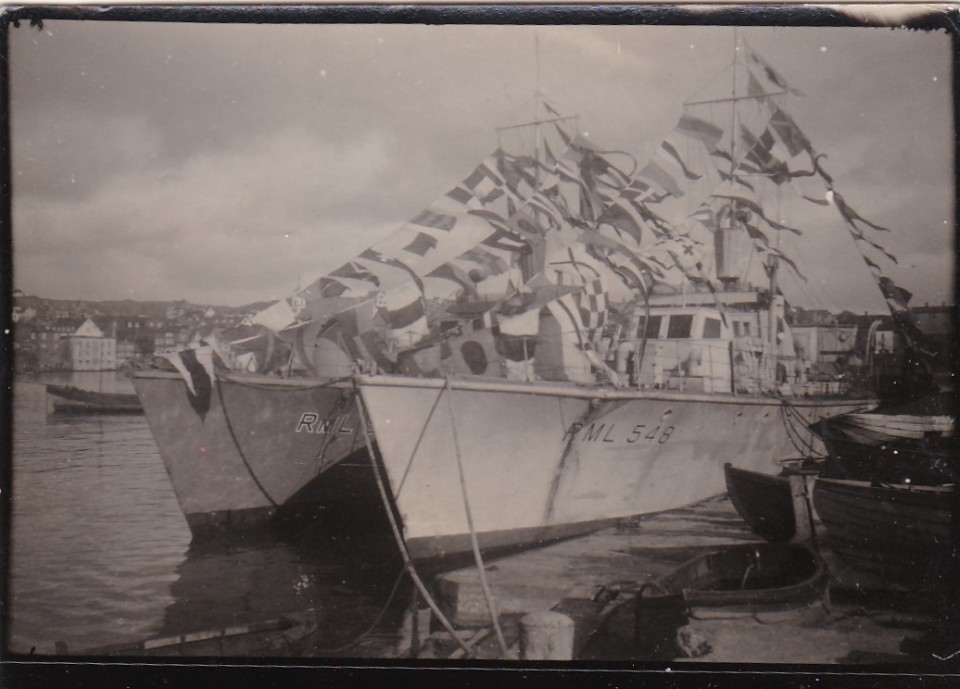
point(101, 552)
point(101, 555)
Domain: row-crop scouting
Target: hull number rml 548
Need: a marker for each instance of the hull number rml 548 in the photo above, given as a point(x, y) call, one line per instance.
point(622, 433)
point(310, 422)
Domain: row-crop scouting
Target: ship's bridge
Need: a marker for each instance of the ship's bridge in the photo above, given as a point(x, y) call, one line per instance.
point(684, 323)
point(687, 348)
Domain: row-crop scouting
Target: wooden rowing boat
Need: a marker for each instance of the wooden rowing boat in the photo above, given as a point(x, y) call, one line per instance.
point(67, 398)
point(773, 506)
point(746, 579)
point(280, 637)
point(901, 534)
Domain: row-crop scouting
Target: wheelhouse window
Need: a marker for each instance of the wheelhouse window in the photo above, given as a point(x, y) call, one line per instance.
point(652, 330)
point(679, 326)
point(711, 328)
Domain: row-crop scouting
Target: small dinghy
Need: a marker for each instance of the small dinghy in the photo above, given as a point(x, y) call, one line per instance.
point(750, 579)
point(771, 504)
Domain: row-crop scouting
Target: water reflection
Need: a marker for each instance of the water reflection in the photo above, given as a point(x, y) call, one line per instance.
point(345, 581)
point(101, 553)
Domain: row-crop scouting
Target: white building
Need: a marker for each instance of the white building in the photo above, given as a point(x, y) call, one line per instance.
point(89, 350)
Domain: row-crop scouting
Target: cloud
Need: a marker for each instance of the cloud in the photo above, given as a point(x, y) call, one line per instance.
point(216, 162)
point(212, 218)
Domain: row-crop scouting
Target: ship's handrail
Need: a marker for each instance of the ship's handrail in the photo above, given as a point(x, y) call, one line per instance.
point(566, 389)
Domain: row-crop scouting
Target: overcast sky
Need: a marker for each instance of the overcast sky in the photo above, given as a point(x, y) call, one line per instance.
point(222, 163)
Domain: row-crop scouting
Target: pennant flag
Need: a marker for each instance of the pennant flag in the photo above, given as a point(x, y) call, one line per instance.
point(550, 109)
point(463, 197)
point(819, 202)
point(687, 252)
point(593, 308)
point(852, 227)
point(702, 130)
point(897, 296)
point(737, 179)
point(518, 172)
point(758, 210)
point(767, 72)
point(705, 216)
point(638, 263)
point(355, 271)
point(489, 262)
point(655, 173)
point(198, 374)
point(758, 152)
point(897, 300)
point(438, 221)
point(277, 316)
point(634, 272)
point(564, 135)
point(723, 155)
point(567, 313)
point(452, 272)
point(786, 259)
point(404, 313)
point(549, 159)
point(400, 316)
point(790, 134)
point(624, 216)
point(376, 257)
point(543, 204)
point(852, 215)
point(490, 259)
point(754, 88)
point(637, 189)
point(672, 152)
point(485, 184)
point(874, 268)
point(507, 240)
point(421, 244)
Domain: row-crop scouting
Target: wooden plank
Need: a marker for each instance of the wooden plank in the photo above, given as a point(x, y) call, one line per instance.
point(539, 579)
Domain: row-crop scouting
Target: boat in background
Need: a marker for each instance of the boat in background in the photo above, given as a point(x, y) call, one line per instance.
point(912, 442)
point(69, 399)
point(901, 534)
point(288, 636)
point(228, 476)
point(775, 507)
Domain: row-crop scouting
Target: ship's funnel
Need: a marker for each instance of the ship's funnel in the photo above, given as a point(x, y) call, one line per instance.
point(731, 245)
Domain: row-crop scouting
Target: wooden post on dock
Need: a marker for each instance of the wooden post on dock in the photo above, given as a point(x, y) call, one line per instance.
point(801, 510)
point(546, 636)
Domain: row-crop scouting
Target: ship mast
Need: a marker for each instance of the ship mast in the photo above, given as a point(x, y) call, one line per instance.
point(772, 265)
point(771, 268)
point(536, 117)
point(529, 261)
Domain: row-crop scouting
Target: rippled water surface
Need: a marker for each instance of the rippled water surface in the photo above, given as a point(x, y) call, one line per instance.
point(101, 551)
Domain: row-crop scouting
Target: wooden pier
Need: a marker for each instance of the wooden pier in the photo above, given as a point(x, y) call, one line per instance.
point(591, 581)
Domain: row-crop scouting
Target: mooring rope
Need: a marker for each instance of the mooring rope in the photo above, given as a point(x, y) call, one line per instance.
point(792, 418)
point(236, 443)
point(474, 543)
point(395, 528)
point(416, 447)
